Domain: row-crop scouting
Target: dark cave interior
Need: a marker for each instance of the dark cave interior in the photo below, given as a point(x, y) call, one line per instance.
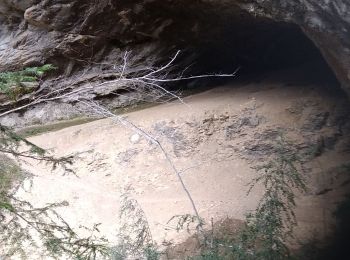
point(258, 47)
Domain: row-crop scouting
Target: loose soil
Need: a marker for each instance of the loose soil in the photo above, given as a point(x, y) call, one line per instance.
point(214, 140)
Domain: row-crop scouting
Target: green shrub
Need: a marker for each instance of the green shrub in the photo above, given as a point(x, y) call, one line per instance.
point(268, 228)
point(10, 174)
point(12, 83)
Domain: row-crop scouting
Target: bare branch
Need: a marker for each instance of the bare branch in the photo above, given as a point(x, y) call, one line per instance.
point(101, 111)
point(126, 76)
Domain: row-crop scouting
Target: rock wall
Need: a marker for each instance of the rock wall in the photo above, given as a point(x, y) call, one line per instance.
point(33, 31)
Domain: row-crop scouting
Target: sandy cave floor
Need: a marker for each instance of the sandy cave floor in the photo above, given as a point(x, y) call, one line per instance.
point(215, 140)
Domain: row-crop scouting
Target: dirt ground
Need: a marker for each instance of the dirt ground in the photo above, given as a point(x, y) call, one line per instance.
point(214, 140)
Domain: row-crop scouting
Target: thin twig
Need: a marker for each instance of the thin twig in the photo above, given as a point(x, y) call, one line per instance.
point(101, 111)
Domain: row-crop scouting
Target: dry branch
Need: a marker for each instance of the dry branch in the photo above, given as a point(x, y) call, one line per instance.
point(126, 76)
point(96, 109)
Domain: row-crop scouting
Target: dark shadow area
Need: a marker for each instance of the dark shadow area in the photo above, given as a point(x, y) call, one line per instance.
point(338, 246)
point(258, 47)
point(279, 52)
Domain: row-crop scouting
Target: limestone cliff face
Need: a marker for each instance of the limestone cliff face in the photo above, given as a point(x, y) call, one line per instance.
point(70, 32)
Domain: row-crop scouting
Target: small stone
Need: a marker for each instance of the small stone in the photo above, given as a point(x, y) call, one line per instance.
point(135, 138)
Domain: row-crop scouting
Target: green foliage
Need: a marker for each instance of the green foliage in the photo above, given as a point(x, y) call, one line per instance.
point(45, 231)
point(135, 238)
point(10, 173)
point(24, 227)
point(151, 252)
point(10, 143)
point(186, 221)
point(269, 227)
point(12, 83)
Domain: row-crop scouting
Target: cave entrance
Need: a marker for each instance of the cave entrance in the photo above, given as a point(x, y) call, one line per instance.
point(259, 46)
